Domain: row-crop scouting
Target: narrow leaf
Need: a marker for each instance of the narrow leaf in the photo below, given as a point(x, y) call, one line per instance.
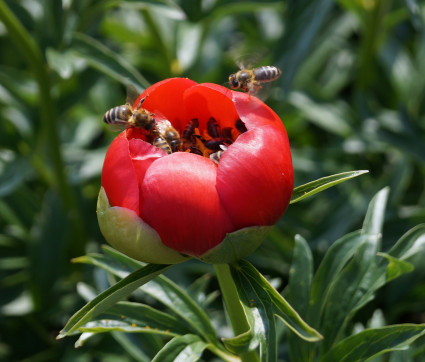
point(311, 188)
point(112, 295)
point(374, 342)
point(284, 310)
point(334, 261)
point(259, 310)
point(136, 317)
point(300, 276)
point(374, 218)
point(107, 61)
point(186, 348)
point(162, 289)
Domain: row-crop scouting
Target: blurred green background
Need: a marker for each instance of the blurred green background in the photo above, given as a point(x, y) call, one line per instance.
point(351, 96)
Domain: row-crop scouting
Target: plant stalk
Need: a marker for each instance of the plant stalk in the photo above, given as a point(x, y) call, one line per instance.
point(234, 307)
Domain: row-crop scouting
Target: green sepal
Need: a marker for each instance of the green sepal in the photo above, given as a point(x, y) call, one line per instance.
point(127, 232)
point(236, 245)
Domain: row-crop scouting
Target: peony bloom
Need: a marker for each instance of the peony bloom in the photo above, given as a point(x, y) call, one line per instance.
point(163, 208)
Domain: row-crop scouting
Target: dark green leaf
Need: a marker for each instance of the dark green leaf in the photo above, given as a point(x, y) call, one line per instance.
point(114, 294)
point(162, 289)
point(334, 261)
point(300, 276)
point(107, 61)
point(374, 342)
point(298, 293)
point(311, 188)
point(135, 317)
point(259, 310)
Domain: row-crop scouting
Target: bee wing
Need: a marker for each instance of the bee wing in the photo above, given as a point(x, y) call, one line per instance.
point(131, 94)
point(118, 125)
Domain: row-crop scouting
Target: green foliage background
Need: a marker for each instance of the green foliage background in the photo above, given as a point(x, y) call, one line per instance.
point(352, 96)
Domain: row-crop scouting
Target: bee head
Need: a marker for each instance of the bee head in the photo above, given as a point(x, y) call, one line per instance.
point(234, 84)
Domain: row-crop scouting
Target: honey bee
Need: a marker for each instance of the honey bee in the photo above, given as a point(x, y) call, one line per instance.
point(163, 129)
point(240, 126)
point(190, 129)
point(250, 80)
point(213, 128)
point(122, 117)
point(160, 142)
point(160, 132)
point(216, 156)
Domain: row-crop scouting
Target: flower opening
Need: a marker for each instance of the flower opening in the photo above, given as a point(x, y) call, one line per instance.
point(231, 169)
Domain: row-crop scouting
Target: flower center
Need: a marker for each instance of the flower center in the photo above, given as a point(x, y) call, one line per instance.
point(213, 141)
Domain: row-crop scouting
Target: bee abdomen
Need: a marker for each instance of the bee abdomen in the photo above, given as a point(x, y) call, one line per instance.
point(162, 144)
point(115, 114)
point(267, 73)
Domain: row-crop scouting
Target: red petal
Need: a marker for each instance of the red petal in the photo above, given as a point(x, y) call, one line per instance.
point(255, 177)
point(255, 113)
point(181, 203)
point(143, 155)
point(204, 101)
point(118, 176)
point(166, 97)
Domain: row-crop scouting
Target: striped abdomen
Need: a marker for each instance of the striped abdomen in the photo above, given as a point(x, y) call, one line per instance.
point(117, 115)
point(267, 73)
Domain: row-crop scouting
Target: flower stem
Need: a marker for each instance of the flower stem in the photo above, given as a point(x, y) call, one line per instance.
point(234, 307)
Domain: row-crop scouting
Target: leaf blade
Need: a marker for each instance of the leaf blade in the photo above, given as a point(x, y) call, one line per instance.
point(313, 187)
point(112, 295)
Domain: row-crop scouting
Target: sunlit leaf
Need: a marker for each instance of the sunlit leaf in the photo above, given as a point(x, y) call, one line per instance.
point(311, 188)
point(162, 289)
point(374, 342)
point(396, 267)
point(259, 310)
point(185, 348)
point(285, 311)
point(114, 294)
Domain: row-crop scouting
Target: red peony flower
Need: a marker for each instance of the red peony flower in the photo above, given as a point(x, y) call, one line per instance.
point(163, 208)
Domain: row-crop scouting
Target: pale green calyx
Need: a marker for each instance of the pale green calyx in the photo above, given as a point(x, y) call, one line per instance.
point(236, 245)
point(127, 232)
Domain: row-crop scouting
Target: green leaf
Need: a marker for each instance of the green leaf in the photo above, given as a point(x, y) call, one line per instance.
point(13, 174)
point(283, 309)
point(410, 244)
point(374, 342)
point(259, 310)
point(300, 276)
point(136, 317)
point(107, 61)
point(334, 261)
point(298, 293)
point(311, 188)
point(112, 295)
point(184, 348)
point(374, 218)
point(355, 284)
point(396, 267)
point(162, 289)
